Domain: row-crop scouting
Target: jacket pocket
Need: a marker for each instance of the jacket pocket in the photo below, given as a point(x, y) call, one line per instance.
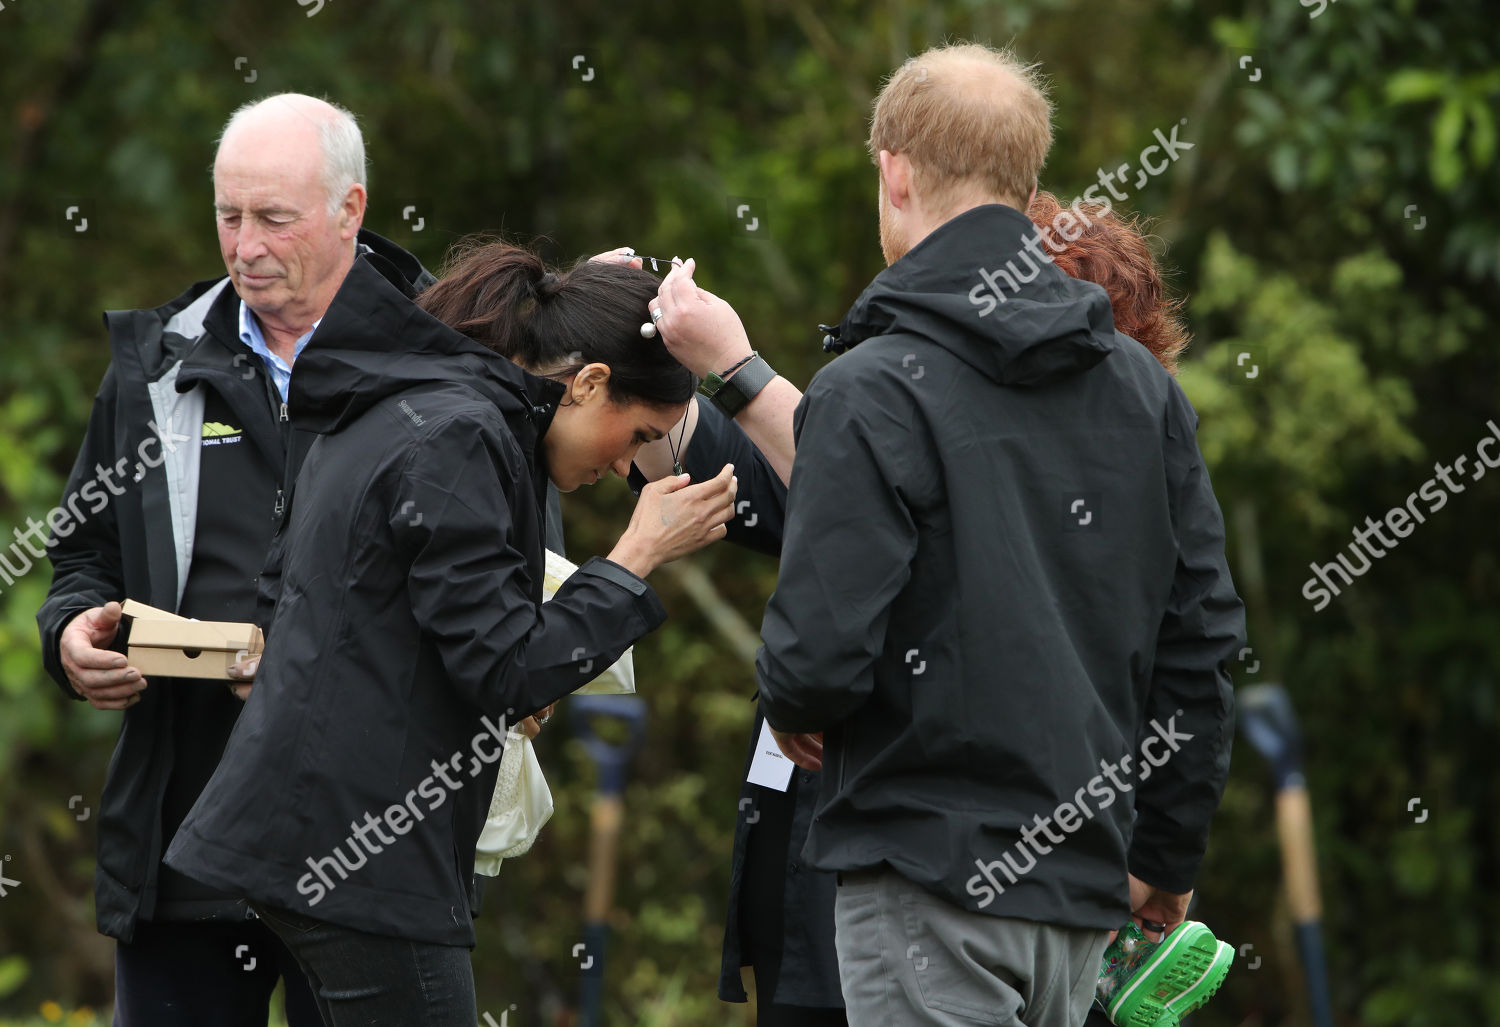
point(284, 921)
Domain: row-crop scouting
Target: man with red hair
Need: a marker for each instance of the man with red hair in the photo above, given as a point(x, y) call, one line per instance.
point(1003, 581)
point(1091, 243)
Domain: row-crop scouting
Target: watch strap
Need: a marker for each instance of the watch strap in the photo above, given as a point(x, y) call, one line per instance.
point(735, 394)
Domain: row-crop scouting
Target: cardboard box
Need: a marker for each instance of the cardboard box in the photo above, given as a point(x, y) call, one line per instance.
point(166, 645)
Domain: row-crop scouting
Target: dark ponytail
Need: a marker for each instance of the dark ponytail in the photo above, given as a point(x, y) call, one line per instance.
point(552, 323)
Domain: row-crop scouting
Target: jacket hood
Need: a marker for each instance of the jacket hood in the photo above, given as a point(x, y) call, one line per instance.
point(375, 342)
point(965, 287)
point(157, 337)
point(403, 262)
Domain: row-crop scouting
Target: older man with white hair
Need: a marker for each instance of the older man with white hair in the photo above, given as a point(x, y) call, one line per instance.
point(189, 452)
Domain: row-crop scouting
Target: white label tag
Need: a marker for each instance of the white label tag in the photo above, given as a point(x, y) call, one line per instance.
point(769, 768)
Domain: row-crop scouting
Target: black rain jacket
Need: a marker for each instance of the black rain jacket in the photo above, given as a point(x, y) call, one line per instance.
point(146, 426)
point(408, 628)
point(1002, 557)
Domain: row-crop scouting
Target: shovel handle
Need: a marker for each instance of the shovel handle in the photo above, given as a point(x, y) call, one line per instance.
point(1298, 854)
point(604, 837)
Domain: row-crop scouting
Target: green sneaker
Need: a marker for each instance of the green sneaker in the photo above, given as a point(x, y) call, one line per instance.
point(1153, 984)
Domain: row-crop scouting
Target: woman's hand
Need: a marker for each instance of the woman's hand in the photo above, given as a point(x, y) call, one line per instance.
point(673, 518)
point(244, 673)
point(532, 726)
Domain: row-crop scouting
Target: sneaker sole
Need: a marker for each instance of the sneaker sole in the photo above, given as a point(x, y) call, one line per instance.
point(1178, 978)
point(1204, 988)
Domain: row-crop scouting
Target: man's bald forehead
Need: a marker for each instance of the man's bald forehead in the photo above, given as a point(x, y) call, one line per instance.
point(971, 73)
point(295, 131)
point(286, 112)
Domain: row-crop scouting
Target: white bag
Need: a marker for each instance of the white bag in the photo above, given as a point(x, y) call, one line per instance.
point(522, 803)
point(619, 677)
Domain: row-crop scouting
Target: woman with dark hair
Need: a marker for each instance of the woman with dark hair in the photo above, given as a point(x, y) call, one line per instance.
point(408, 627)
point(582, 326)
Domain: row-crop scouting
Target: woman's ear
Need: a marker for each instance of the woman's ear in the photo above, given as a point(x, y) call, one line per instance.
point(590, 382)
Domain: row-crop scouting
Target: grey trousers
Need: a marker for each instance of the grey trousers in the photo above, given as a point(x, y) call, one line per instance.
point(907, 956)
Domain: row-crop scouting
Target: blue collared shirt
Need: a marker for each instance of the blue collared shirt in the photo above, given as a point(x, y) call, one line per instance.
point(280, 370)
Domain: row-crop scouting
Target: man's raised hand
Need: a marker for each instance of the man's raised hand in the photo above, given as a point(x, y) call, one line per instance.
point(619, 255)
point(700, 330)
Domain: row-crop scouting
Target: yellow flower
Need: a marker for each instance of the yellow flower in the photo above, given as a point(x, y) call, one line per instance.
point(51, 1011)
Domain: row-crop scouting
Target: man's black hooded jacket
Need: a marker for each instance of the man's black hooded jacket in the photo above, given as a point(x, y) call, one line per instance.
point(1002, 582)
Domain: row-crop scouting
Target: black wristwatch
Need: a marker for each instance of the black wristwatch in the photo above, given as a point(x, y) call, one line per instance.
point(733, 395)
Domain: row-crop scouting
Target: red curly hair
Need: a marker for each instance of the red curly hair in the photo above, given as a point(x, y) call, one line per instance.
point(1112, 252)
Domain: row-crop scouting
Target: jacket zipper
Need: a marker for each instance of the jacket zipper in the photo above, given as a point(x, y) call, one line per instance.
point(286, 444)
point(843, 756)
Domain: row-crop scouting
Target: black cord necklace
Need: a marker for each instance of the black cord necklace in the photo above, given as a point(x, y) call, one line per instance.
point(676, 460)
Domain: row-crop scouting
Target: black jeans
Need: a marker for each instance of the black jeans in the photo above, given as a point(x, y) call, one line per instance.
point(361, 979)
point(762, 919)
point(190, 974)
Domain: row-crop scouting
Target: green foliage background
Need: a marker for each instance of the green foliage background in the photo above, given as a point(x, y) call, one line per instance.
point(1289, 225)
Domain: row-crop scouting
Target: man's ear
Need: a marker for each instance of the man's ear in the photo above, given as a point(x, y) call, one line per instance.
point(1032, 198)
point(895, 173)
point(352, 212)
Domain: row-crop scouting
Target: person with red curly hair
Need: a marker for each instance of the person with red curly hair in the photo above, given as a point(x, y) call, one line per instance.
point(1112, 252)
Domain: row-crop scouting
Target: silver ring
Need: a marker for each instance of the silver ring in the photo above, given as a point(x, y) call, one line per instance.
point(657, 315)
